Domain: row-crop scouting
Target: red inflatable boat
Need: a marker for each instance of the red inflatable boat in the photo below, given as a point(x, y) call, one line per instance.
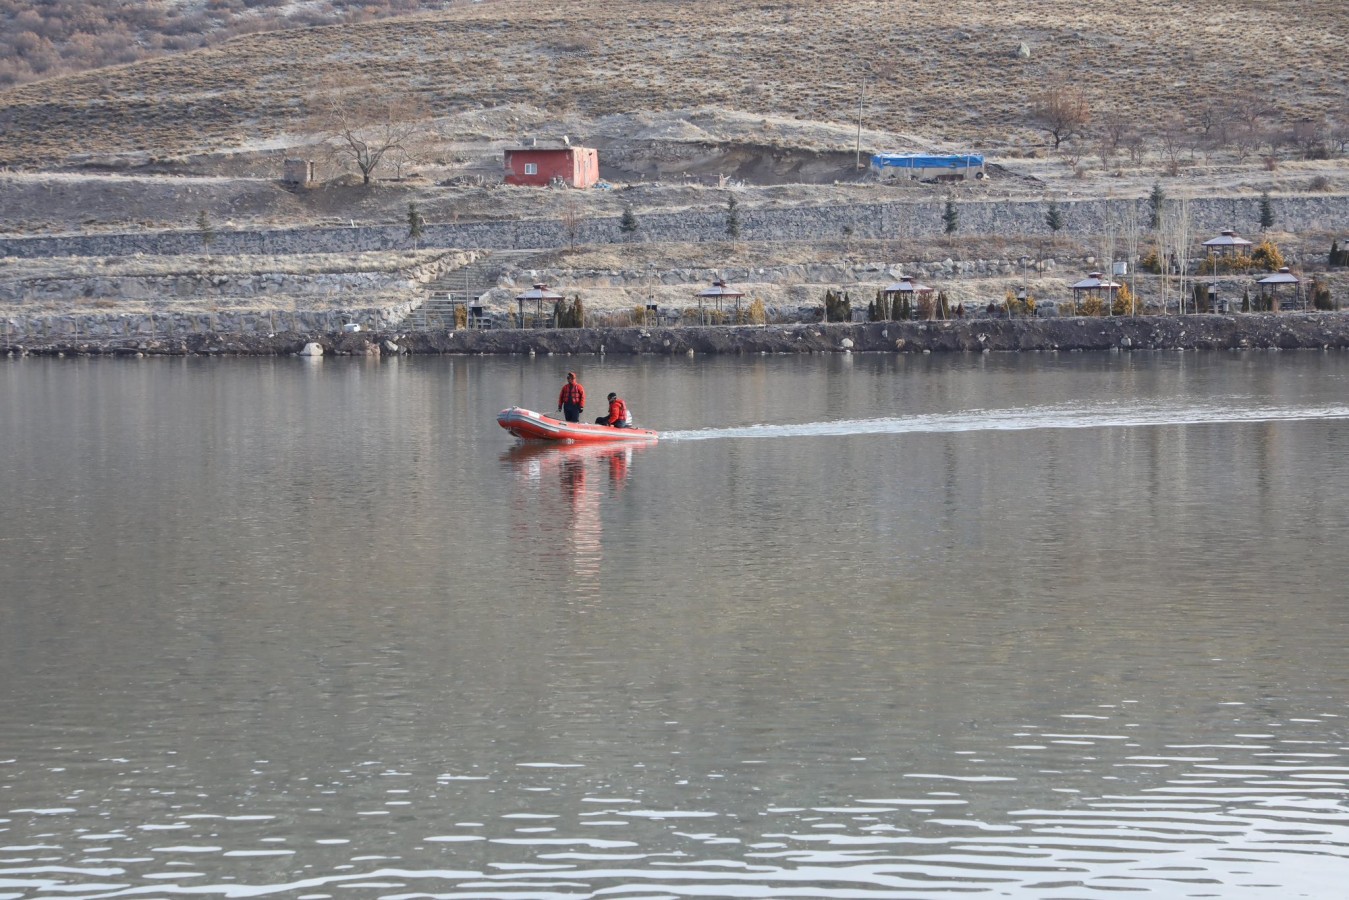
point(527, 424)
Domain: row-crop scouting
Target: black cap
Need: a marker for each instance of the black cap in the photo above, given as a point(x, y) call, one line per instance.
point(612, 396)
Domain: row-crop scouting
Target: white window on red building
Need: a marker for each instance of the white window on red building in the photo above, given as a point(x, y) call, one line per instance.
point(531, 168)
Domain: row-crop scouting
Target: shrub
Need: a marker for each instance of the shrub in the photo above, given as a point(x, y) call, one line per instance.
point(757, 314)
point(1091, 306)
point(1240, 263)
point(1320, 295)
point(1266, 256)
point(1125, 303)
point(1017, 307)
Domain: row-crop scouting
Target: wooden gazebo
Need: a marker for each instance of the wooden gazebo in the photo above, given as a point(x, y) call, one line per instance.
point(1271, 288)
point(718, 292)
point(905, 289)
point(1096, 285)
point(1228, 244)
point(538, 293)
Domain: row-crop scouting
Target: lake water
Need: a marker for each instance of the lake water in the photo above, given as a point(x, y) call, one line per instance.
point(1032, 626)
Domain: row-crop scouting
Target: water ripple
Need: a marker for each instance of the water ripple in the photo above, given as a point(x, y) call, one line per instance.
point(1101, 415)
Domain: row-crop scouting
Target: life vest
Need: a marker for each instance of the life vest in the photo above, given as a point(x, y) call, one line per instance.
point(572, 392)
point(618, 411)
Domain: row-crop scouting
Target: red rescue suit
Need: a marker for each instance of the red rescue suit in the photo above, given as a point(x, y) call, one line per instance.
point(618, 413)
point(572, 392)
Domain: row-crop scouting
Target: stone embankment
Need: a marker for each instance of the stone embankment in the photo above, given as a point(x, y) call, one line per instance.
point(1269, 331)
point(897, 221)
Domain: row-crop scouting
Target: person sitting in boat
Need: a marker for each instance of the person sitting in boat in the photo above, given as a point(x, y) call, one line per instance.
point(572, 401)
point(618, 417)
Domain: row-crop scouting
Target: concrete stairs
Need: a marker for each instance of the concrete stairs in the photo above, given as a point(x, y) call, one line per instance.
point(460, 289)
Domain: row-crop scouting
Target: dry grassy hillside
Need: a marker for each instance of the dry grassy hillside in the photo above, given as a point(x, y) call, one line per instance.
point(937, 72)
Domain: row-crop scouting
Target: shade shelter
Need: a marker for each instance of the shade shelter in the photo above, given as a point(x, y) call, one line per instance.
point(537, 294)
point(1273, 286)
point(1095, 285)
point(905, 289)
point(1228, 244)
point(718, 292)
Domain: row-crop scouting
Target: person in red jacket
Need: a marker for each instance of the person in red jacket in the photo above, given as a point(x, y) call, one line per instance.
point(618, 414)
point(572, 401)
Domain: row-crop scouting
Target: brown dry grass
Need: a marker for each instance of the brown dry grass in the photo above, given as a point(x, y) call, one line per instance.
point(952, 73)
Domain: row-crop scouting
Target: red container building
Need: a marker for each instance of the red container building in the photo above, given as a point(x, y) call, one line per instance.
point(577, 167)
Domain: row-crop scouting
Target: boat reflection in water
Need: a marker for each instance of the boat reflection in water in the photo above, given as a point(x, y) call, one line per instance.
point(556, 508)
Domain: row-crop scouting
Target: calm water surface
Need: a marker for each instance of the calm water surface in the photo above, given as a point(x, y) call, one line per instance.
point(1034, 626)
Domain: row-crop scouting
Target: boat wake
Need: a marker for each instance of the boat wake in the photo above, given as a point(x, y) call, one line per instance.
point(1076, 416)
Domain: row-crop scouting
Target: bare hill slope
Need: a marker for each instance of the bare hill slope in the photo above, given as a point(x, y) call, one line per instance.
point(936, 72)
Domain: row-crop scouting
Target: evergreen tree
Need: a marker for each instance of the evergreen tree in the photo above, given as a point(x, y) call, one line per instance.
point(1054, 216)
point(205, 231)
point(628, 223)
point(951, 217)
point(1157, 198)
point(732, 218)
point(415, 224)
point(1266, 212)
point(837, 308)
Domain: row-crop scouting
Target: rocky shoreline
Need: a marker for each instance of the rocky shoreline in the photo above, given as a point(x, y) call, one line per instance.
point(1269, 331)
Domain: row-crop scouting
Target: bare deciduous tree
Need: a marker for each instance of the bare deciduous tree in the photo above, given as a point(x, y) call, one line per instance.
point(366, 128)
point(572, 219)
point(1062, 111)
point(1339, 128)
point(1176, 245)
point(1311, 136)
point(1131, 229)
point(1175, 138)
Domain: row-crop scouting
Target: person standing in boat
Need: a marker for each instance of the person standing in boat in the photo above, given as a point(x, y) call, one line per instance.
point(572, 401)
point(618, 414)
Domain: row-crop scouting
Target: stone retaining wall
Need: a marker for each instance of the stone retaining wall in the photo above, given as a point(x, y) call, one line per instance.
point(173, 323)
point(833, 274)
point(237, 289)
point(881, 220)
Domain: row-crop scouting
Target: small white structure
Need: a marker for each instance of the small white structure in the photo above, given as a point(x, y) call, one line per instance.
point(299, 173)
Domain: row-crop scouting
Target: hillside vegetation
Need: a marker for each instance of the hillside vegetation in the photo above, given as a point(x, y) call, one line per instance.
point(58, 37)
point(935, 73)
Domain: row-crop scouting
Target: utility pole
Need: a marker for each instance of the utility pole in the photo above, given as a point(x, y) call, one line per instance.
point(860, 100)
